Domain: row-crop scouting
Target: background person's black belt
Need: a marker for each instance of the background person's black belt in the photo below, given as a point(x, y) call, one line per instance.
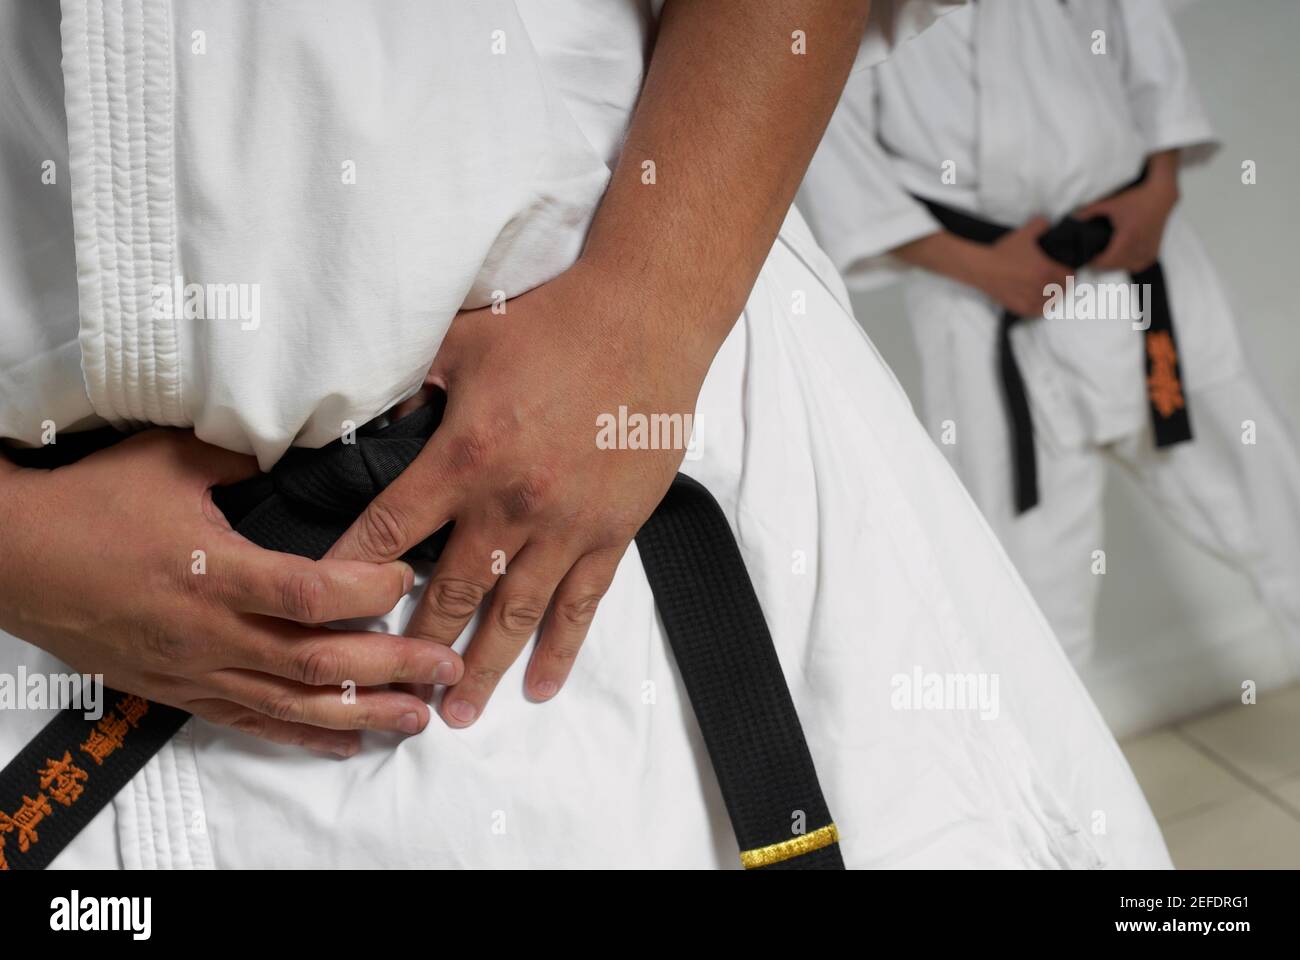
point(711, 614)
point(1075, 243)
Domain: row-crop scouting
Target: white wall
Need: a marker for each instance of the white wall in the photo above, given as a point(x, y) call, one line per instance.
point(1181, 631)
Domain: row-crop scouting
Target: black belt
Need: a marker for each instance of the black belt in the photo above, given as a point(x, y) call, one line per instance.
point(1075, 243)
point(711, 614)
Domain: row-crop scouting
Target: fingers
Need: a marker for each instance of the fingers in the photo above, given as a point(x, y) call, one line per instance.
point(334, 708)
point(407, 511)
point(190, 458)
point(567, 622)
point(1119, 253)
point(1035, 227)
point(1041, 278)
point(513, 613)
point(283, 585)
point(340, 743)
point(1112, 258)
point(424, 691)
point(333, 658)
point(466, 571)
point(1101, 208)
point(414, 402)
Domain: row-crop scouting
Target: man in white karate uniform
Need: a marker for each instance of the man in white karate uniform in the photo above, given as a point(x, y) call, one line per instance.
point(1020, 114)
point(617, 178)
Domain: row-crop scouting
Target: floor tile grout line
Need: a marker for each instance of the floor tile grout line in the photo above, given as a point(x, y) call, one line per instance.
point(1255, 785)
point(1201, 808)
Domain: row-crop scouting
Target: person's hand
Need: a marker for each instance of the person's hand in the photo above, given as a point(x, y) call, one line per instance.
point(1016, 273)
point(1138, 216)
point(121, 564)
point(542, 511)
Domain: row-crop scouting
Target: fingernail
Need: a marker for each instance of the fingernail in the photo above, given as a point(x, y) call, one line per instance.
point(344, 750)
point(445, 672)
point(462, 711)
point(410, 723)
point(546, 689)
point(408, 578)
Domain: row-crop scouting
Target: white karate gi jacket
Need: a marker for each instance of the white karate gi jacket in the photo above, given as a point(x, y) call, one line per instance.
point(476, 172)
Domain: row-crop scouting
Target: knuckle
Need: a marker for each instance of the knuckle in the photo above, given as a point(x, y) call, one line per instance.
point(519, 615)
point(280, 705)
point(578, 611)
point(220, 585)
point(525, 496)
point(317, 665)
point(398, 659)
point(209, 708)
point(382, 529)
point(457, 598)
point(471, 449)
point(304, 596)
point(249, 723)
point(406, 664)
point(361, 718)
point(482, 676)
point(560, 653)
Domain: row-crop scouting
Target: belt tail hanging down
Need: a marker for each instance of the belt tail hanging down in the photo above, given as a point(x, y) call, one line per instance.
point(711, 615)
point(735, 684)
point(1074, 243)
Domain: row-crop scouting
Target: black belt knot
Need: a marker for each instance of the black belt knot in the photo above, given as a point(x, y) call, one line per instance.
point(710, 612)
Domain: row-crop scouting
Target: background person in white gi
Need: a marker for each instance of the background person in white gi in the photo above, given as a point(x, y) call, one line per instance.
point(1022, 113)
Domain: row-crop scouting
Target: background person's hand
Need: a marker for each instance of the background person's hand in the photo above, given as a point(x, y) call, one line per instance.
point(98, 568)
point(543, 513)
point(1138, 216)
point(1016, 273)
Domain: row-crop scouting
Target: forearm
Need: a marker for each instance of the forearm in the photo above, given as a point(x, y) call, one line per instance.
point(947, 254)
point(1162, 173)
point(730, 118)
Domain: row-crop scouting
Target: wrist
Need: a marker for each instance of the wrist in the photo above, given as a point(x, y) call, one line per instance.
point(18, 512)
point(1162, 178)
point(677, 326)
point(976, 266)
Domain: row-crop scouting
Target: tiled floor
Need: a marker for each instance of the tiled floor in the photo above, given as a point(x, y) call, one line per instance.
point(1226, 786)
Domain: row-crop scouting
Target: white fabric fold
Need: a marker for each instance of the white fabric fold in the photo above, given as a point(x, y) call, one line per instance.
point(161, 821)
point(117, 77)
